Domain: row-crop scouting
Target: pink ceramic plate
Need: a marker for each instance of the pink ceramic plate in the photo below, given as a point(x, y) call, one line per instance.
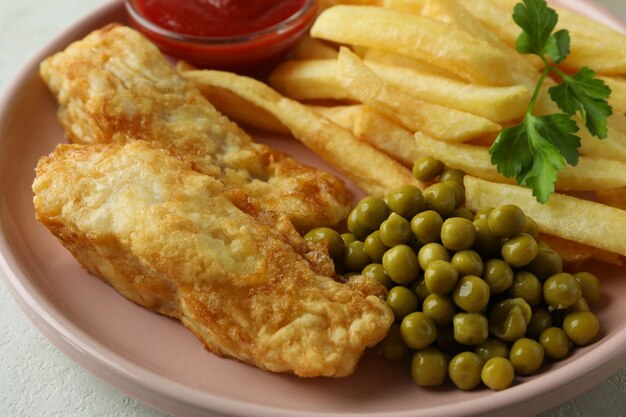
point(161, 363)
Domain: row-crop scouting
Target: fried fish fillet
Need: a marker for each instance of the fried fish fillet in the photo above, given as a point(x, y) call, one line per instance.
point(115, 86)
point(167, 238)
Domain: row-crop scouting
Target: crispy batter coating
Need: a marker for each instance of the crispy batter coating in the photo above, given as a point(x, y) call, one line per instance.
point(115, 86)
point(168, 238)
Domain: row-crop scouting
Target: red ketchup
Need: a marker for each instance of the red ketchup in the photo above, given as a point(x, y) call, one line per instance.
point(231, 34)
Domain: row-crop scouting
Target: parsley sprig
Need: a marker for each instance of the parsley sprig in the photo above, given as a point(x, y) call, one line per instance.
point(534, 151)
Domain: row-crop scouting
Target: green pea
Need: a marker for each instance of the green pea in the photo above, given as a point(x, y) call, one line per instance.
point(465, 369)
point(540, 320)
point(498, 275)
point(427, 168)
point(374, 246)
point(439, 308)
point(498, 373)
point(458, 190)
point(468, 262)
point(354, 226)
point(458, 233)
point(519, 250)
point(471, 294)
point(392, 347)
point(371, 212)
point(429, 367)
point(431, 252)
point(406, 200)
point(590, 286)
point(418, 330)
point(492, 348)
point(526, 356)
point(419, 287)
point(377, 272)
point(483, 213)
point(440, 198)
point(506, 221)
point(531, 227)
point(462, 212)
point(395, 230)
point(470, 328)
point(426, 226)
point(440, 277)
point(508, 320)
point(546, 263)
point(485, 242)
point(561, 290)
point(451, 174)
point(581, 327)
point(348, 238)
point(555, 343)
point(355, 258)
point(333, 240)
point(580, 305)
point(402, 301)
point(401, 264)
point(526, 286)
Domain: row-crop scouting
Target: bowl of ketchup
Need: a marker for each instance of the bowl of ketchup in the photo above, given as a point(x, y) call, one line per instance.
point(241, 35)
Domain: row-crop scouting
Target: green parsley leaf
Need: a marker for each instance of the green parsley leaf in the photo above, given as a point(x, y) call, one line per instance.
point(585, 93)
point(537, 21)
point(557, 47)
point(534, 151)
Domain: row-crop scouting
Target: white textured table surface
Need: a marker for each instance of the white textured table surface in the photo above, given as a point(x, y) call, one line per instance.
point(39, 381)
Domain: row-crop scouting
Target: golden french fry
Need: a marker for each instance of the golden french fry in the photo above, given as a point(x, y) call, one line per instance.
point(589, 174)
point(344, 116)
point(317, 79)
point(567, 217)
point(242, 111)
point(572, 253)
point(411, 112)
point(232, 106)
point(617, 121)
point(617, 99)
point(498, 104)
point(386, 135)
point(575, 23)
point(611, 147)
point(592, 44)
point(309, 48)
point(595, 54)
point(454, 13)
point(403, 61)
point(371, 170)
point(614, 197)
point(497, 19)
point(309, 80)
point(375, 129)
point(418, 37)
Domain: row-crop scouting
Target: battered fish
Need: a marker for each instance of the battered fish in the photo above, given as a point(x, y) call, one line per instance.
point(115, 86)
point(167, 238)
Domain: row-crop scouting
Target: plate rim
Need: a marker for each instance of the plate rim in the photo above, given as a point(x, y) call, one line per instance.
point(117, 370)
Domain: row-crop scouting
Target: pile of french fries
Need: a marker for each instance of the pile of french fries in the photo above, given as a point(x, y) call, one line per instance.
point(380, 83)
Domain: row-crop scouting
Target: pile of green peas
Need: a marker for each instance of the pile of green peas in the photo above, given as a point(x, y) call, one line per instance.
point(476, 296)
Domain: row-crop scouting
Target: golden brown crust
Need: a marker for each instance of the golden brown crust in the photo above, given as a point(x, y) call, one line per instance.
point(168, 238)
point(115, 86)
